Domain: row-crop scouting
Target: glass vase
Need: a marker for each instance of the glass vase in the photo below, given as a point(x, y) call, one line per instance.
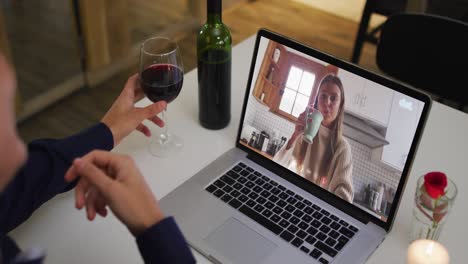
point(429, 214)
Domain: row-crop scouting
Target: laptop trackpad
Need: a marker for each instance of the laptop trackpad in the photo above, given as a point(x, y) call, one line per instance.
point(239, 243)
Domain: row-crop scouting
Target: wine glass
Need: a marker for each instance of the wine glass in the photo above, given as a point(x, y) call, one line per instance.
point(161, 77)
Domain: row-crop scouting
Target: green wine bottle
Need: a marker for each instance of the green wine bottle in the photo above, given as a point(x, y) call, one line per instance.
point(214, 46)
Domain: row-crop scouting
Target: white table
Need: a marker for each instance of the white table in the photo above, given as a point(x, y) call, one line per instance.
point(70, 238)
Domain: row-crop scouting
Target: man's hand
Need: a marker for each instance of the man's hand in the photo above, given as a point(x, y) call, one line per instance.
point(123, 117)
point(108, 179)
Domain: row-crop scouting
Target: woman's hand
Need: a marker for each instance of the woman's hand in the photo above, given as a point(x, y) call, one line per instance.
point(123, 117)
point(298, 130)
point(300, 123)
point(108, 179)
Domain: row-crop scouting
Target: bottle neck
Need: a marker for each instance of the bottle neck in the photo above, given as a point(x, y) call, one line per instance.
point(214, 8)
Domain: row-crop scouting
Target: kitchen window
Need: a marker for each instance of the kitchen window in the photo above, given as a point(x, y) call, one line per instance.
point(295, 84)
point(297, 91)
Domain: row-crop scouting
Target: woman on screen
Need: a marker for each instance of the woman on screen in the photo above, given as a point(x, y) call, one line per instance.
point(326, 160)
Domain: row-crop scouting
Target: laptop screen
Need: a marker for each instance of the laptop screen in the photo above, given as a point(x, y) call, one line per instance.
point(342, 132)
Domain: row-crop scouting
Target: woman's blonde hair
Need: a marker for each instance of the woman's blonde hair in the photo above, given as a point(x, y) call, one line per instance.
point(337, 129)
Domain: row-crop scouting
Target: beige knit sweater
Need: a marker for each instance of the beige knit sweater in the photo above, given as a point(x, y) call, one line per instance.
point(328, 168)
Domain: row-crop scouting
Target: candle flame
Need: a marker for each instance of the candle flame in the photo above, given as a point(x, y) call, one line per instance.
point(429, 249)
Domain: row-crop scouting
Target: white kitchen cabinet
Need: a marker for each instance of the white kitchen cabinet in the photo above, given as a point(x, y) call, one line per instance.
point(353, 86)
point(404, 116)
point(366, 99)
point(377, 102)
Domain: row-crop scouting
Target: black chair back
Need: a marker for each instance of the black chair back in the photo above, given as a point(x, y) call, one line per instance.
point(428, 52)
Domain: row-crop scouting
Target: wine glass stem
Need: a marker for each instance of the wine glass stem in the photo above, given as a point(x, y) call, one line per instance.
point(164, 135)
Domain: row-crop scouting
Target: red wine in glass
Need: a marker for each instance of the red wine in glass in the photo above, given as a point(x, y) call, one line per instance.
point(162, 82)
point(161, 76)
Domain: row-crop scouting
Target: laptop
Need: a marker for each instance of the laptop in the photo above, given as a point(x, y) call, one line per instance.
point(279, 198)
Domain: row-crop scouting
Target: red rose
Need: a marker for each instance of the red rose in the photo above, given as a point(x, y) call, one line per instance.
point(435, 183)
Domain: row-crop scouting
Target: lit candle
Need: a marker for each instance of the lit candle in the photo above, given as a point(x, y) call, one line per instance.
point(425, 251)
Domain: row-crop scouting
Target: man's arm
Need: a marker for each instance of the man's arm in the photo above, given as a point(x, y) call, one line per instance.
point(122, 187)
point(41, 177)
point(164, 243)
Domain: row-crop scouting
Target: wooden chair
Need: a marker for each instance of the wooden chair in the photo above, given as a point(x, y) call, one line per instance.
point(428, 52)
point(381, 7)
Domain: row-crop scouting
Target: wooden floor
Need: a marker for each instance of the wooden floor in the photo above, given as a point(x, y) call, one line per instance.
point(318, 29)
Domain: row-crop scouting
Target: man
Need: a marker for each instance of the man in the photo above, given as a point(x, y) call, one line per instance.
point(30, 177)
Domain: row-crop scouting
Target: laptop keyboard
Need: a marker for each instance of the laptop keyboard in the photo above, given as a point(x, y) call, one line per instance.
point(305, 225)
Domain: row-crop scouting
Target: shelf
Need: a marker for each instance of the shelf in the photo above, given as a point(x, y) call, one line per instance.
point(268, 88)
point(258, 151)
point(260, 101)
point(268, 81)
point(370, 211)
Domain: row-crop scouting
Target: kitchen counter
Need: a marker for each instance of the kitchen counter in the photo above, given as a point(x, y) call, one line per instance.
point(258, 151)
point(370, 211)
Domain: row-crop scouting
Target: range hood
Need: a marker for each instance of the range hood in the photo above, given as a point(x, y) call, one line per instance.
point(363, 132)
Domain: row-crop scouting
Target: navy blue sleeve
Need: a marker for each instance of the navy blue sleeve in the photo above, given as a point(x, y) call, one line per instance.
point(42, 176)
point(164, 243)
